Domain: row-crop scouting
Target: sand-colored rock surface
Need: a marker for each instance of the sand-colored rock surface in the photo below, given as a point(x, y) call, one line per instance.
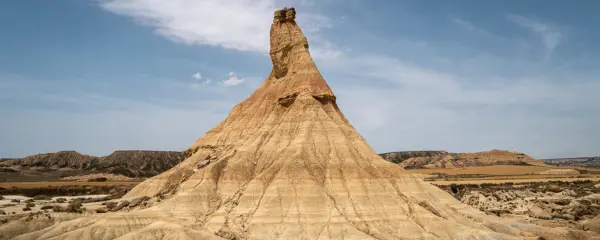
point(593, 224)
point(287, 164)
point(441, 159)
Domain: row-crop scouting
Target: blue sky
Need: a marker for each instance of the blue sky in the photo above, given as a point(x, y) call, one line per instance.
point(97, 76)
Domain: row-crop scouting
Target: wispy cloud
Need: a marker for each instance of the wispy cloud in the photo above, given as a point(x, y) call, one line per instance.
point(211, 22)
point(466, 24)
point(387, 97)
point(233, 80)
point(199, 82)
point(197, 76)
point(551, 37)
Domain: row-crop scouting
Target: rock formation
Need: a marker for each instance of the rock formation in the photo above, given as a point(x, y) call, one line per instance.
point(55, 160)
point(399, 157)
point(592, 162)
point(51, 166)
point(442, 159)
point(138, 163)
point(287, 164)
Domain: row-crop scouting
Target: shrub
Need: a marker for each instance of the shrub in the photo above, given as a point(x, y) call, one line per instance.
point(29, 200)
point(42, 197)
point(47, 207)
point(30, 205)
point(79, 200)
point(15, 200)
point(100, 179)
point(111, 205)
point(57, 208)
point(121, 205)
point(101, 210)
point(74, 207)
point(61, 200)
point(26, 209)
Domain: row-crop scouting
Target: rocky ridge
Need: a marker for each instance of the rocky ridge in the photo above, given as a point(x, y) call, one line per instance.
point(592, 162)
point(399, 157)
point(129, 163)
point(572, 204)
point(443, 159)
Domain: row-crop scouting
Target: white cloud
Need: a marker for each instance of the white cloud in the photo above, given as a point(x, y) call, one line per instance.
point(199, 84)
point(234, 24)
point(233, 80)
point(472, 27)
point(197, 76)
point(466, 24)
point(551, 37)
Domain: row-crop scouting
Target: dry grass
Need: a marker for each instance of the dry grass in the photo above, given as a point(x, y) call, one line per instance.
point(26, 185)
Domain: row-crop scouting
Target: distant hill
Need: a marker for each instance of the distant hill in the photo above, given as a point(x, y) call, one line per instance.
point(143, 163)
point(593, 162)
point(443, 159)
point(53, 166)
point(399, 157)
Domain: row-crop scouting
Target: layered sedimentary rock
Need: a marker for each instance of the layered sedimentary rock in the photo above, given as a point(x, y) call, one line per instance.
point(434, 159)
point(129, 163)
point(55, 160)
point(137, 163)
point(287, 164)
point(399, 157)
point(592, 162)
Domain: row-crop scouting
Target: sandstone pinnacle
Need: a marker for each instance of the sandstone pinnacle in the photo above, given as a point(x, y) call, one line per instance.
point(287, 164)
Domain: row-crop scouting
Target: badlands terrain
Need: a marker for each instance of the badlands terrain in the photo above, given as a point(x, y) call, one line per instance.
point(287, 164)
point(73, 166)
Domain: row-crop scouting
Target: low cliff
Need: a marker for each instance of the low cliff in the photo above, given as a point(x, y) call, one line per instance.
point(130, 163)
point(442, 159)
point(593, 162)
point(399, 157)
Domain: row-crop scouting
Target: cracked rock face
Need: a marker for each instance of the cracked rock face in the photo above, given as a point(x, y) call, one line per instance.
point(287, 164)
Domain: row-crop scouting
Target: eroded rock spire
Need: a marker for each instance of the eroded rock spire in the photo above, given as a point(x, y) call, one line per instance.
point(286, 164)
point(286, 37)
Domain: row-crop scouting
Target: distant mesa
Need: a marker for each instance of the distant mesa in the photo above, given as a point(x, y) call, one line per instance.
point(593, 162)
point(58, 165)
point(443, 159)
